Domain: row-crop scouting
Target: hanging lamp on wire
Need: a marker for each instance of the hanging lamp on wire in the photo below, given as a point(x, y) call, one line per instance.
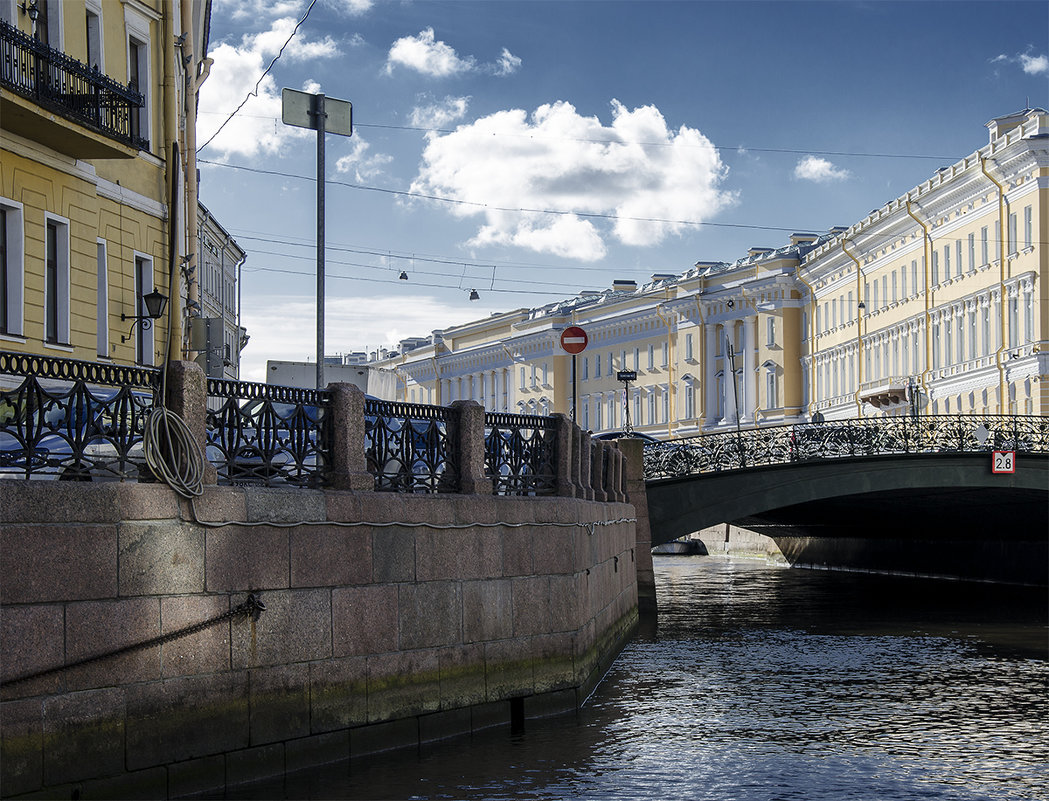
point(403, 276)
point(474, 295)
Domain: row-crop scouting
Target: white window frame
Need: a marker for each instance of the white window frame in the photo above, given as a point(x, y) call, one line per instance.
point(137, 29)
point(15, 248)
point(62, 280)
point(102, 298)
point(93, 8)
point(1028, 227)
point(147, 340)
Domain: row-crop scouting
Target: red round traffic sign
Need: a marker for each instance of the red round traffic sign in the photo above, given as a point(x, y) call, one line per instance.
point(574, 339)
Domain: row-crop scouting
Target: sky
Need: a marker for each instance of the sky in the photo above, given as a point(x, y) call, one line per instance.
point(532, 150)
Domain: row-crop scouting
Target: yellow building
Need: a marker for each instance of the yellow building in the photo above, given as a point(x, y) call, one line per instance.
point(936, 302)
point(901, 312)
point(94, 101)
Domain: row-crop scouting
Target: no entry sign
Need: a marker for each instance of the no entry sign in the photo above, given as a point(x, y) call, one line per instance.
point(574, 340)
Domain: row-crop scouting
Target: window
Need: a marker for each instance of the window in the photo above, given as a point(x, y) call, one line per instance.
point(637, 359)
point(972, 333)
point(948, 354)
point(1028, 228)
point(666, 406)
point(585, 402)
point(651, 357)
point(983, 245)
point(874, 305)
point(946, 262)
point(598, 421)
point(522, 378)
point(972, 253)
point(985, 329)
point(586, 368)
point(534, 381)
point(597, 367)
point(143, 286)
point(689, 354)
point(833, 315)
point(1028, 317)
point(997, 239)
point(961, 340)
point(770, 325)
point(1013, 238)
point(936, 346)
point(819, 309)
point(102, 300)
point(546, 375)
point(935, 268)
point(56, 282)
point(1014, 321)
point(914, 276)
point(611, 364)
point(885, 290)
point(95, 58)
point(666, 354)
point(895, 288)
point(612, 410)
point(958, 258)
point(651, 407)
point(138, 69)
point(12, 260)
point(690, 400)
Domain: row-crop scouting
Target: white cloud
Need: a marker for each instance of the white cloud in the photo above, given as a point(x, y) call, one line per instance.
point(364, 167)
point(423, 54)
point(507, 64)
point(354, 8)
point(507, 166)
point(426, 55)
point(257, 9)
point(439, 113)
point(1034, 65)
point(284, 328)
point(813, 168)
point(256, 129)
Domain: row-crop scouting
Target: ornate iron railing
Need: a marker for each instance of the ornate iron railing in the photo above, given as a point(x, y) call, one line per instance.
point(70, 87)
point(520, 454)
point(73, 420)
point(883, 436)
point(266, 434)
point(410, 447)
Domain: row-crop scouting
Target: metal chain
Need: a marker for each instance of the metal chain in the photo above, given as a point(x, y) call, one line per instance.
point(252, 607)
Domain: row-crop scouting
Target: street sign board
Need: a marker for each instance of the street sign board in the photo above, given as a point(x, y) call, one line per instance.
point(626, 375)
point(1003, 462)
point(297, 108)
point(574, 340)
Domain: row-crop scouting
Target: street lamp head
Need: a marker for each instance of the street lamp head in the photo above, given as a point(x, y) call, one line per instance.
point(474, 295)
point(33, 10)
point(403, 276)
point(155, 302)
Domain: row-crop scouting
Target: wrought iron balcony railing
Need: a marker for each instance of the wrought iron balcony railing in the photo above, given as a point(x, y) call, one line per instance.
point(69, 87)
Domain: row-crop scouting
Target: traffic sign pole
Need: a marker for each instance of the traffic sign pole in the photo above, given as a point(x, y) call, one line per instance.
point(574, 341)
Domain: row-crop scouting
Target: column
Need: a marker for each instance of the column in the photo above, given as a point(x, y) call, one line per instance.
point(748, 395)
point(710, 385)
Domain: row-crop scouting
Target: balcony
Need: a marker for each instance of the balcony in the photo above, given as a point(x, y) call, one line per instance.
point(42, 91)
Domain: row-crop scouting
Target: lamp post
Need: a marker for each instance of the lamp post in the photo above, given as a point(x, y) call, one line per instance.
point(735, 400)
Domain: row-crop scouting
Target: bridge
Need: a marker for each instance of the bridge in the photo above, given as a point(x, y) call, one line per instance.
point(928, 478)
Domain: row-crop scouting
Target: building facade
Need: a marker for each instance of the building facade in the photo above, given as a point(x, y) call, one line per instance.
point(97, 165)
point(219, 337)
point(934, 304)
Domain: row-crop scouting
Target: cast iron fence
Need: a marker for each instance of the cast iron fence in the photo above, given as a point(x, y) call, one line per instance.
point(267, 434)
point(411, 447)
point(70, 87)
point(73, 420)
point(519, 454)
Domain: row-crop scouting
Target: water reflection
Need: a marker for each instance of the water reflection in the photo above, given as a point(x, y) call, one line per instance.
point(768, 683)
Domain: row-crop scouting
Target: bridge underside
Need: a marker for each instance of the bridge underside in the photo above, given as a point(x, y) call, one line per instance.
point(924, 513)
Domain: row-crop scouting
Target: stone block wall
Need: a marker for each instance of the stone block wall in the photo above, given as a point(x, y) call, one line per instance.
point(421, 617)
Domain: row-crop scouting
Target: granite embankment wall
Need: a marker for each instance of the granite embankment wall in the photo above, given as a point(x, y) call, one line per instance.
point(390, 620)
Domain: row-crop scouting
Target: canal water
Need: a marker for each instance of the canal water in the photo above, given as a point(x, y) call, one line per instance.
point(763, 682)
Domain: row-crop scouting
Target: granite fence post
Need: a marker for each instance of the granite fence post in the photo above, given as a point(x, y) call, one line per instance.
point(597, 469)
point(348, 469)
point(563, 441)
point(187, 396)
point(469, 430)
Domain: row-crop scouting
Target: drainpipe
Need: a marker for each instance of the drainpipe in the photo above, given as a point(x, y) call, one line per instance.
point(927, 257)
point(1003, 235)
point(859, 327)
point(174, 343)
point(815, 337)
point(670, 375)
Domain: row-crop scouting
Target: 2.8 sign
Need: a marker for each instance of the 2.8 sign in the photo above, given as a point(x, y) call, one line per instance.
point(1003, 461)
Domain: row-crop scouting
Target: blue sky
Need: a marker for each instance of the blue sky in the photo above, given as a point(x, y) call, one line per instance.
point(572, 143)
